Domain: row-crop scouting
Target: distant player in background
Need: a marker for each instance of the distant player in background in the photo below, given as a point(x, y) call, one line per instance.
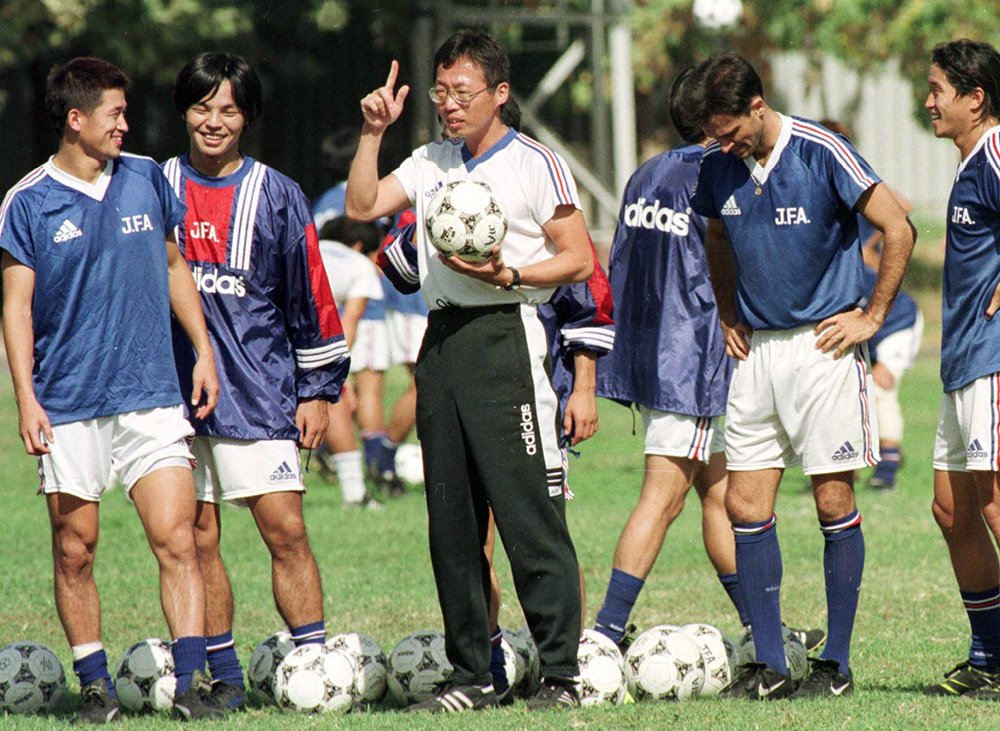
point(892, 349)
point(252, 247)
point(671, 360)
point(475, 432)
point(781, 195)
point(964, 106)
point(91, 272)
point(348, 248)
point(336, 153)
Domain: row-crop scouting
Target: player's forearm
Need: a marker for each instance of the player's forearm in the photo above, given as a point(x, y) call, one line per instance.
point(19, 341)
point(722, 270)
point(584, 372)
point(566, 267)
point(362, 180)
point(896, 250)
point(186, 306)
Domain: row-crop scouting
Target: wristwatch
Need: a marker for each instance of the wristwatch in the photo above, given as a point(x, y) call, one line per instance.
point(515, 281)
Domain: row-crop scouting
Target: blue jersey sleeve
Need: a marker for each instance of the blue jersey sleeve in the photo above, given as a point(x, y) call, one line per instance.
point(311, 316)
point(16, 227)
point(850, 175)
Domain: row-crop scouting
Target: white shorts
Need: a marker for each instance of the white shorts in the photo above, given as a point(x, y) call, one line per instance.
point(679, 435)
point(968, 431)
point(790, 404)
point(235, 469)
point(370, 351)
point(406, 333)
point(88, 456)
point(898, 351)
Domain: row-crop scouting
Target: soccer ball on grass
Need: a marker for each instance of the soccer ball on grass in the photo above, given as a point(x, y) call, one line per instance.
point(32, 679)
point(144, 677)
point(264, 664)
point(664, 664)
point(417, 664)
point(314, 678)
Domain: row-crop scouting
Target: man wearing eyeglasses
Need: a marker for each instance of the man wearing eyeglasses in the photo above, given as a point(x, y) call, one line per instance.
point(486, 410)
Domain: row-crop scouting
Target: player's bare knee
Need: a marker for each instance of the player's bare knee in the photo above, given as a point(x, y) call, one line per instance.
point(72, 556)
point(286, 538)
point(943, 516)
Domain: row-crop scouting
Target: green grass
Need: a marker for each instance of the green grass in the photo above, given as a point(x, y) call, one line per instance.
point(377, 579)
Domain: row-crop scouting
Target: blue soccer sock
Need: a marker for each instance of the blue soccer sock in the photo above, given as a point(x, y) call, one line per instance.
point(372, 441)
point(731, 583)
point(497, 664)
point(189, 655)
point(759, 567)
point(983, 608)
point(387, 455)
point(223, 664)
point(888, 464)
point(314, 632)
point(94, 667)
point(623, 591)
point(843, 565)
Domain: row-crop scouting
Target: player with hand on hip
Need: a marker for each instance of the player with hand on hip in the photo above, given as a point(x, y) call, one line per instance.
point(252, 247)
point(91, 273)
point(964, 106)
point(781, 195)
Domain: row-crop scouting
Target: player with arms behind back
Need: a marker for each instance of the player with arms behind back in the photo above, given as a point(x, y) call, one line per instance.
point(964, 106)
point(486, 411)
point(91, 272)
point(782, 245)
point(252, 247)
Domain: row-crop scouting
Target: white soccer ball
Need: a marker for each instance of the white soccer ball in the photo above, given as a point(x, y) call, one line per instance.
point(370, 664)
point(264, 664)
point(144, 677)
point(796, 656)
point(532, 678)
point(32, 679)
point(717, 14)
point(516, 655)
point(312, 678)
point(602, 670)
point(417, 664)
point(717, 652)
point(664, 664)
point(466, 220)
point(410, 464)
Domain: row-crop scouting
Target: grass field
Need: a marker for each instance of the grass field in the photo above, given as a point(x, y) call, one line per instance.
point(377, 580)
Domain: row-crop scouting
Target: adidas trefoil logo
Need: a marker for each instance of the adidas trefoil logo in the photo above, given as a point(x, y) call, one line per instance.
point(731, 208)
point(67, 231)
point(846, 452)
point(975, 450)
point(282, 473)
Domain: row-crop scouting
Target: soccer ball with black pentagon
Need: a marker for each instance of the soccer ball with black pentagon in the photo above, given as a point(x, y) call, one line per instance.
point(718, 653)
point(465, 219)
point(796, 656)
point(532, 677)
point(313, 678)
point(264, 664)
point(602, 670)
point(664, 664)
point(32, 679)
point(144, 677)
point(417, 664)
point(370, 664)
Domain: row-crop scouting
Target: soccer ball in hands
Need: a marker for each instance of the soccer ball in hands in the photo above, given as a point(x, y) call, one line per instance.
point(464, 219)
point(717, 652)
point(416, 665)
point(796, 656)
point(664, 664)
point(313, 678)
point(370, 664)
point(602, 670)
point(264, 664)
point(32, 679)
point(144, 677)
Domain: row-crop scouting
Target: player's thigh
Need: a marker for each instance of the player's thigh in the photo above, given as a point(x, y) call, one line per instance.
point(146, 441)
point(243, 468)
point(278, 516)
point(75, 523)
point(80, 459)
point(165, 502)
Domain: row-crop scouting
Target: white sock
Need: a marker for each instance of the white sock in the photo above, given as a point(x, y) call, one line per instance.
point(350, 475)
point(86, 649)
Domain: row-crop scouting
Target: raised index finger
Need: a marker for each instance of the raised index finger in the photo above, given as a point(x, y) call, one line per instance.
point(390, 80)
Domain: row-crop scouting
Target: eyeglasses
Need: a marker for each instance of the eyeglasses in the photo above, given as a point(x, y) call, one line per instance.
point(462, 98)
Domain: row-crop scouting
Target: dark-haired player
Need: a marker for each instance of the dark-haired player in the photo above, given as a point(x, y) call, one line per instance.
point(251, 244)
point(964, 106)
point(782, 196)
point(91, 272)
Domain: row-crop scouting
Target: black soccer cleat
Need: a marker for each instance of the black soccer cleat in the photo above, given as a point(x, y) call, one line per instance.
point(229, 696)
point(824, 680)
point(758, 682)
point(811, 638)
point(454, 698)
point(196, 703)
point(631, 632)
point(555, 693)
point(962, 679)
point(96, 703)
